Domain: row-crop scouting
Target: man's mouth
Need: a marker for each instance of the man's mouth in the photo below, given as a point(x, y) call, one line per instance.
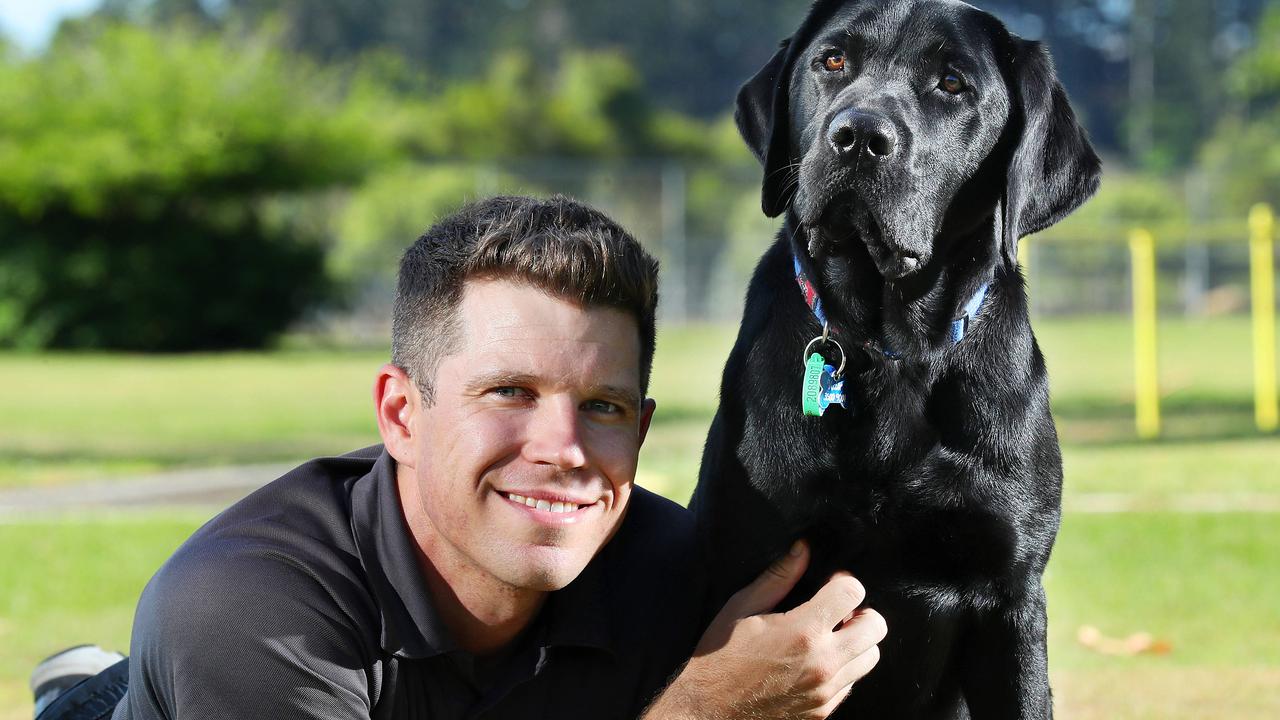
point(556, 505)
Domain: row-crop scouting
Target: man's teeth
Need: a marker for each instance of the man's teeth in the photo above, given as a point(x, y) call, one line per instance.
point(556, 507)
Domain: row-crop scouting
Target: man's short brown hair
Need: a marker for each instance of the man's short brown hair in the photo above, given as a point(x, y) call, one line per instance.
point(558, 244)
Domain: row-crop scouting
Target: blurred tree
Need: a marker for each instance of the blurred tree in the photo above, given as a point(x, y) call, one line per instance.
point(693, 54)
point(584, 104)
point(1243, 156)
point(1146, 74)
point(134, 167)
point(1255, 80)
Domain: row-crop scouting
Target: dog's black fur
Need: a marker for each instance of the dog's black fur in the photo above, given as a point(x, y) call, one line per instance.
point(940, 487)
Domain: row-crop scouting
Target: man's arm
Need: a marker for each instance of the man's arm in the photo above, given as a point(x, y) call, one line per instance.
point(243, 633)
point(797, 664)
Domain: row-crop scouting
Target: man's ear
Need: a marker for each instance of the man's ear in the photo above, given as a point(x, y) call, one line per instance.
point(1054, 168)
point(396, 400)
point(761, 114)
point(646, 417)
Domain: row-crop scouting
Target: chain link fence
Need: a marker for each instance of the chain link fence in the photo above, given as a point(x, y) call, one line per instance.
point(704, 223)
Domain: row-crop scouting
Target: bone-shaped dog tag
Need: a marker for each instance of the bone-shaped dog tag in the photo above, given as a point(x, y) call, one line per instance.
point(832, 390)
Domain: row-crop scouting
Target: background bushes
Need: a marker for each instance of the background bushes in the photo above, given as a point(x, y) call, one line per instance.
point(135, 167)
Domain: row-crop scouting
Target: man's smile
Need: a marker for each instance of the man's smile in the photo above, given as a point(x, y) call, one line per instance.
point(550, 507)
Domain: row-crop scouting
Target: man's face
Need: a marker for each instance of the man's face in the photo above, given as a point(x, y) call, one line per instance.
point(524, 463)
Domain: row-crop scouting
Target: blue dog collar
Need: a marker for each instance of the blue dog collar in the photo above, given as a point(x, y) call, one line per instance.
point(960, 325)
point(956, 332)
point(810, 291)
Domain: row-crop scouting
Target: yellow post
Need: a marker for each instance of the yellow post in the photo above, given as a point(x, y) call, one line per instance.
point(1142, 250)
point(1263, 282)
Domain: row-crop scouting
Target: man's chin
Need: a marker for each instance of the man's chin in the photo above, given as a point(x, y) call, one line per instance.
point(544, 568)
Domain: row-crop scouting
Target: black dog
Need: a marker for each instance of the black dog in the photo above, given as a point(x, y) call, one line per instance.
point(911, 144)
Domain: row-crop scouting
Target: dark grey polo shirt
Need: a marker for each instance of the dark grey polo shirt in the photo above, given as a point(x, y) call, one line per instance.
point(305, 600)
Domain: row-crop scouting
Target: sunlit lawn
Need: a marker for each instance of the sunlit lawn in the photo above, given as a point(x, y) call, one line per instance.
point(72, 417)
point(1204, 582)
point(69, 417)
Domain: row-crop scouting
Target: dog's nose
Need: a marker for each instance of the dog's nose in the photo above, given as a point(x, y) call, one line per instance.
point(853, 132)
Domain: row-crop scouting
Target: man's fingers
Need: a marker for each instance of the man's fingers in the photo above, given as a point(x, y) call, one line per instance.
point(766, 591)
point(834, 602)
point(849, 676)
point(857, 668)
point(865, 630)
point(834, 702)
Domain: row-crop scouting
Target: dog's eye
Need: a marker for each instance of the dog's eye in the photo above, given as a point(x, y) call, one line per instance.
point(952, 83)
point(834, 62)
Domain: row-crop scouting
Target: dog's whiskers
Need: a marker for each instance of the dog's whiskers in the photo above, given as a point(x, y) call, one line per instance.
point(789, 166)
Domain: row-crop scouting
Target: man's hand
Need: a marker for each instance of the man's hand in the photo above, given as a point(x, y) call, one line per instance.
point(797, 664)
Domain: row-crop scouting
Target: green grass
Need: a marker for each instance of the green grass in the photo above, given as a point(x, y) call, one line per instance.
point(1203, 582)
point(1206, 377)
point(71, 581)
point(67, 417)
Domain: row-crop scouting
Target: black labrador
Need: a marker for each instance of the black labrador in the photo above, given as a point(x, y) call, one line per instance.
point(886, 397)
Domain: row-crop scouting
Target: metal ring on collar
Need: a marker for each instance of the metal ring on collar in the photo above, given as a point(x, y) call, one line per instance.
point(805, 357)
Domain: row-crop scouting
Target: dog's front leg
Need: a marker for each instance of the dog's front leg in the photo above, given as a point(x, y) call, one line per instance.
point(1004, 662)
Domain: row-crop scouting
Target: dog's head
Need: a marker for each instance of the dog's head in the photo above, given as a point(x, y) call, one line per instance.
point(906, 121)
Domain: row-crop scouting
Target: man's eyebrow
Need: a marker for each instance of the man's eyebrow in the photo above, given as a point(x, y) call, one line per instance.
point(626, 396)
point(500, 378)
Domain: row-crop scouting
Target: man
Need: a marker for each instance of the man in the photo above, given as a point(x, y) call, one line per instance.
point(492, 558)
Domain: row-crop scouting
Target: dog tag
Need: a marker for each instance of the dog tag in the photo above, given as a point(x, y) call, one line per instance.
point(832, 390)
point(811, 401)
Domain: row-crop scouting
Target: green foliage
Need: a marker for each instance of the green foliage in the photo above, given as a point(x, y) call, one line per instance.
point(483, 136)
point(587, 104)
point(1127, 199)
point(1244, 159)
point(153, 181)
point(1255, 78)
point(132, 169)
point(180, 278)
point(598, 105)
point(1243, 155)
point(132, 114)
point(395, 206)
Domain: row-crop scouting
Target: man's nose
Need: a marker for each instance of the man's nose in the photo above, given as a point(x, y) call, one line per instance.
point(555, 435)
point(855, 133)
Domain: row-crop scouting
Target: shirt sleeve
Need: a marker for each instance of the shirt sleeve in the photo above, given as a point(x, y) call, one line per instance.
point(243, 632)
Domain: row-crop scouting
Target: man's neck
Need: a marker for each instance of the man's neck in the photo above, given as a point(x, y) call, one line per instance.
point(482, 613)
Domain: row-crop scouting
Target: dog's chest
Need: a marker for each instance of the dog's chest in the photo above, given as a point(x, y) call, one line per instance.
point(900, 503)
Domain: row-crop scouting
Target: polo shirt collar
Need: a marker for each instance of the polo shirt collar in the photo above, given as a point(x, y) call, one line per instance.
point(577, 615)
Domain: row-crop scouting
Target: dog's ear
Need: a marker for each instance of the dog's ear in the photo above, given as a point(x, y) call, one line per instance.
point(1054, 168)
point(761, 115)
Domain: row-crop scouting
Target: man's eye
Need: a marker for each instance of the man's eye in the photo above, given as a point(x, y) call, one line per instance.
point(510, 392)
point(603, 406)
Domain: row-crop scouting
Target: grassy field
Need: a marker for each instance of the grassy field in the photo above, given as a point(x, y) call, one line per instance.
point(65, 418)
point(1202, 581)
